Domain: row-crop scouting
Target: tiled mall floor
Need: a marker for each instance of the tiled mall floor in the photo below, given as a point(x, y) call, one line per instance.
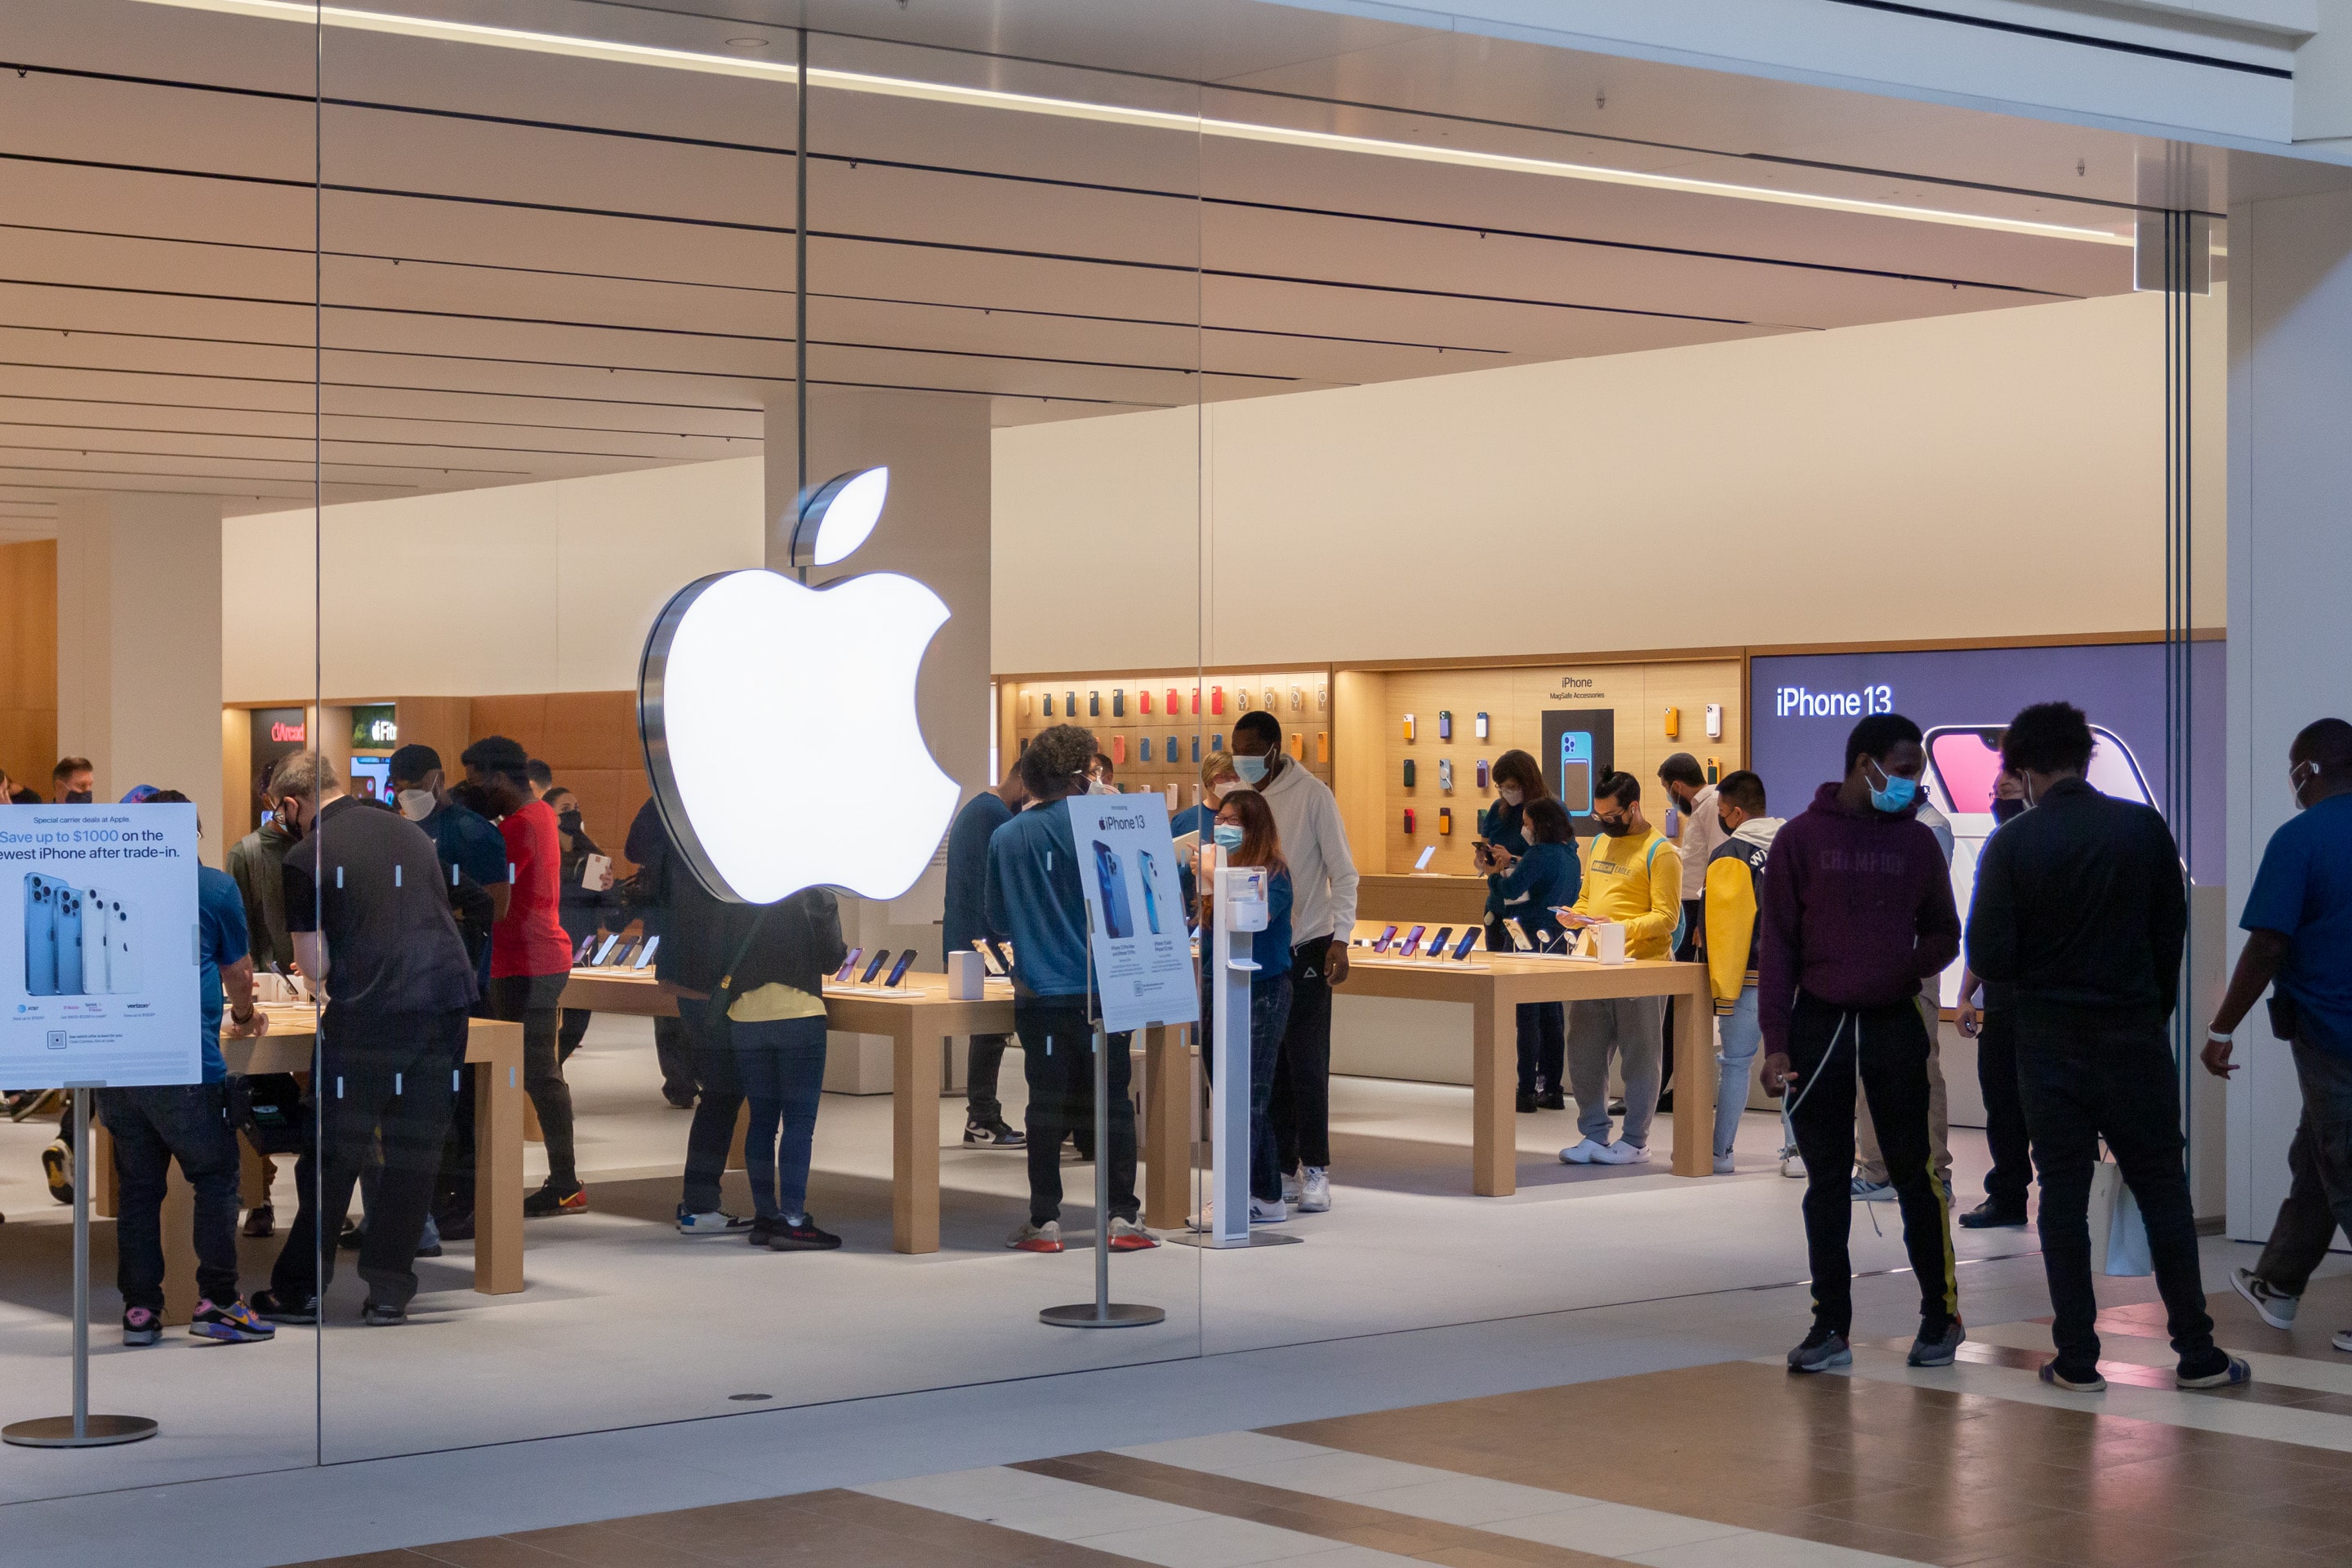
point(1732, 1465)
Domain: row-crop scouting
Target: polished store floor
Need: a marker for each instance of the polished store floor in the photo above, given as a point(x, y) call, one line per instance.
point(1734, 1465)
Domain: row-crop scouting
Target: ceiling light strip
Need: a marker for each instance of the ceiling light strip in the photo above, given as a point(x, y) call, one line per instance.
point(614, 52)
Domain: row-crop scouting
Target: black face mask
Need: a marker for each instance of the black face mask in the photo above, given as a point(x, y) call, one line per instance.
point(2004, 810)
point(570, 823)
point(78, 798)
point(1615, 827)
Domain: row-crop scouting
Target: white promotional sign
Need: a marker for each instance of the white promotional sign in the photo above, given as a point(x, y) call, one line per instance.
point(98, 955)
point(1135, 910)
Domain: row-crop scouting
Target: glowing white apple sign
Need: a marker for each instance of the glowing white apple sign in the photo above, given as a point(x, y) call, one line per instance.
point(778, 720)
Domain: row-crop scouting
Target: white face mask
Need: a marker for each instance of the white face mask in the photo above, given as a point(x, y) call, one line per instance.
point(416, 805)
point(1511, 794)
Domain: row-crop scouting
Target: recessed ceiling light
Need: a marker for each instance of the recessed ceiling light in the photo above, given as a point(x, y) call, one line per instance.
point(746, 42)
point(309, 14)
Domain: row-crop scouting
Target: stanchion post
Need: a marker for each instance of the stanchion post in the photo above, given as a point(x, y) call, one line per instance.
point(1102, 1313)
point(80, 1429)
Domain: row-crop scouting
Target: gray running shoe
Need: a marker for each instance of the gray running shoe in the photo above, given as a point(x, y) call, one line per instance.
point(1939, 1347)
point(1823, 1349)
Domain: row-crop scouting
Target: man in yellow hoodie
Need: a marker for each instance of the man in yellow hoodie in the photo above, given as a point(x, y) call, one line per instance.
point(1635, 877)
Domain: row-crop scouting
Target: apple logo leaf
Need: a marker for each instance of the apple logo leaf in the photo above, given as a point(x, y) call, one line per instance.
point(778, 720)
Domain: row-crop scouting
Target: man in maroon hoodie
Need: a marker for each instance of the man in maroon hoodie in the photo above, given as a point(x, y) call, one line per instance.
point(1857, 912)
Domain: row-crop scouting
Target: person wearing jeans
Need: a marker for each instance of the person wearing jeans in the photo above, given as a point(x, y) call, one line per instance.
point(2298, 925)
point(1243, 829)
point(1033, 894)
point(1988, 1016)
point(2080, 914)
point(531, 957)
point(964, 921)
point(1635, 879)
point(1734, 887)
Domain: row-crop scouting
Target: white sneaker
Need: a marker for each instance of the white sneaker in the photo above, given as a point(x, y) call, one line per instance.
point(1580, 1152)
point(1621, 1155)
point(1264, 1213)
point(1723, 1167)
point(2343, 1340)
point(1294, 1184)
point(2275, 1307)
point(1315, 1192)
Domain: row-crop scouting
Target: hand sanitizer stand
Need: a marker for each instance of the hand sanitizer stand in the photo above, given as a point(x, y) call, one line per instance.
point(1241, 910)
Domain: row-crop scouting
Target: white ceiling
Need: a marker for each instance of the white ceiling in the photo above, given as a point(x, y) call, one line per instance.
point(501, 264)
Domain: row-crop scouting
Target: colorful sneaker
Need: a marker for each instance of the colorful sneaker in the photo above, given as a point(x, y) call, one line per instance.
point(715, 1222)
point(141, 1327)
point(1938, 1345)
point(2090, 1382)
point(1034, 1238)
point(1125, 1235)
point(2233, 1372)
point(1315, 1192)
point(57, 1165)
point(1821, 1350)
point(801, 1234)
point(2276, 1306)
point(235, 1324)
point(997, 1134)
point(548, 1201)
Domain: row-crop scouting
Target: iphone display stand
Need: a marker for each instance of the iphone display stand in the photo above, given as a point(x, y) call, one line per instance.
point(1241, 910)
point(1102, 1313)
point(80, 1429)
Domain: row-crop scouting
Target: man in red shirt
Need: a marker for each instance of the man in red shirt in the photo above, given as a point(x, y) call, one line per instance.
point(530, 958)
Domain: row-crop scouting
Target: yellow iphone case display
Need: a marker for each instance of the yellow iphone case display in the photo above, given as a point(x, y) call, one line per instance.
point(1673, 723)
point(1322, 745)
point(1408, 726)
point(1446, 820)
point(1298, 746)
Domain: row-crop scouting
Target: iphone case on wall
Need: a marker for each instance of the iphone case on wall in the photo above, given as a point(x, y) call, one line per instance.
point(1145, 743)
point(1446, 821)
point(1408, 726)
point(1482, 726)
point(1094, 704)
point(1049, 705)
point(1216, 742)
point(1298, 746)
point(1297, 700)
point(1445, 773)
point(1322, 699)
point(1117, 749)
point(1269, 699)
point(1174, 707)
point(1408, 820)
point(1024, 705)
point(1142, 700)
point(1196, 747)
point(1241, 699)
point(1322, 745)
point(1069, 704)
point(1119, 702)
point(1196, 699)
point(1445, 723)
point(1408, 772)
point(1483, 777)
point(1216, 699)
point(1176, 747)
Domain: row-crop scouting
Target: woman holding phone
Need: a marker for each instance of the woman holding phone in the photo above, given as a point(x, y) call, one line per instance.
point(1502, 842)
point(1532, 886)
point(1245, 830)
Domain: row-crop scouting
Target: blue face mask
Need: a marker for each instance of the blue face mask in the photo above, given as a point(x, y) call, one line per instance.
point(1228, 835)
point(1251, 769)
point(1897, 794)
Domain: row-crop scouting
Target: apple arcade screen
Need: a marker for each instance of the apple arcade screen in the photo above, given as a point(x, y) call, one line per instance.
point(103, 962)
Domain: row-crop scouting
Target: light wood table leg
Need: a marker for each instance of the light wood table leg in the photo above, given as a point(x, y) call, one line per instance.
point(1694, 1077)
point(742, 1131)
point(1168, 1126)
point(499, 1101)
point(104, 1193)
point(1494, 1103)
point(252, 1175)
point(914, 1141)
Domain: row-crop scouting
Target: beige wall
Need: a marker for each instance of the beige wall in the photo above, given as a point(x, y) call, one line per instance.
point(527, 588)
point(1987, 475)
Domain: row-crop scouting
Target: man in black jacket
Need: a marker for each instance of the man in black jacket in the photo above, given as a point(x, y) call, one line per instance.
point(2080, 915)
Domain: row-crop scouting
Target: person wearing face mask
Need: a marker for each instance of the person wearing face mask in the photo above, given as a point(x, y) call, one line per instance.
point(1502, 838)
point(2082, 912)
point(73, 781)
point(1323, 881)
point(1245, 831)
point(10, 795)
point(1635, 879)
point(584, 907)
point(1192, 825)
point(1986, 1018)
point(2298, 926)
point(255, 862)
point(1530, 885)
point(1857, 913)
point(1735, 886)
point(1692, 799)
point(473, 856)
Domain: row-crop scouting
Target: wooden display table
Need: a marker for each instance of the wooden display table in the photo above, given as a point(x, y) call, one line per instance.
point(1493, 984)
point(919, 1020)
point(494, 1049)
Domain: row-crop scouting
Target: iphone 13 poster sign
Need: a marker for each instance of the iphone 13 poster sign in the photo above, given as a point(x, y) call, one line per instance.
point(102, 964)
point(1142, 953)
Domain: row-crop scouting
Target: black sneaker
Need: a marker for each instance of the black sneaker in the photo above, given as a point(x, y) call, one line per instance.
point(352, 1240)
point(1990, 1215)
point(1937, 1344)
point(261, 1223)
point(552, 1199)
point(383, 1314)
point(784, 1236)
point(995, 1134)
point(1823, 1349)
point(141, 1326)
point(1552, 1100)
point(1526, 1101)
point(455, 1226)
point(269, 1304)
point(429, 1249)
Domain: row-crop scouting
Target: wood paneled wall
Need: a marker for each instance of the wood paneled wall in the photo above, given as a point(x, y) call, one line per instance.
point(28, 662)
point(589, 739)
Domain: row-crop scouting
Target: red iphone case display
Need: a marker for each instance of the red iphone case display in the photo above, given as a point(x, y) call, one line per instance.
point(1119, 748)
point(1175, 708)
point(1143, 699)
point(1216, 699)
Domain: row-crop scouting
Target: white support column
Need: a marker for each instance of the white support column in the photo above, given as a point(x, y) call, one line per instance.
point(138, 645)
point(2290, 558)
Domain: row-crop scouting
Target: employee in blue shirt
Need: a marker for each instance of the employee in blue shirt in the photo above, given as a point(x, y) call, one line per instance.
point(1034, 896)
point(2298, 925)
point(965, 923)
point(1527, 887)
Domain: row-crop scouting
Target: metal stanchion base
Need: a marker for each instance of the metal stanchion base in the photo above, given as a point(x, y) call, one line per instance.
point(1208, 1242)
point(1114, 1315)
point(58, 1432)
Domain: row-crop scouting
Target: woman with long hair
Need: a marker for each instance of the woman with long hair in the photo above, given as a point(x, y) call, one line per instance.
point(1245, 830)
point(1503, 843)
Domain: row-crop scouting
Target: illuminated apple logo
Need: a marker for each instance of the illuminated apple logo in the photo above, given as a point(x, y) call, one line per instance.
point(778, 719)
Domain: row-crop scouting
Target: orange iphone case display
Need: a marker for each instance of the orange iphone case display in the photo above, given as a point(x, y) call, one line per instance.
point(1408, 820)
point(1446, 821)
point(1117, 749)
point(1322, 745)
point(1408, 726)
point(1216, 699)
point(1298, 746)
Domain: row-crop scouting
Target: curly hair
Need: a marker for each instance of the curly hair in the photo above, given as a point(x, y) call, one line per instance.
point(1058, 752)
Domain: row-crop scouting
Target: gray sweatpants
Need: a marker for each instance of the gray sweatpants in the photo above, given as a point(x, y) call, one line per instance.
point(1634, 1029)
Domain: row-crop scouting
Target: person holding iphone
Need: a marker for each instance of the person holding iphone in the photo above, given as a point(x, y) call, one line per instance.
point(1245, 830)
point(1531, 885)
point(1035, 895)
point(1502, 839)
point(1635, 881)
point(1217, 778)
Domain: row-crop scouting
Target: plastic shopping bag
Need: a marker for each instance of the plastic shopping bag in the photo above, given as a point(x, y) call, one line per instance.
point(2118, 1234)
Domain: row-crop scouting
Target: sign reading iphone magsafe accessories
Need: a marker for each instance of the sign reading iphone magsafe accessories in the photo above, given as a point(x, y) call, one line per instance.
point(1135, 910)
point(778, 720)
point(99, 946)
